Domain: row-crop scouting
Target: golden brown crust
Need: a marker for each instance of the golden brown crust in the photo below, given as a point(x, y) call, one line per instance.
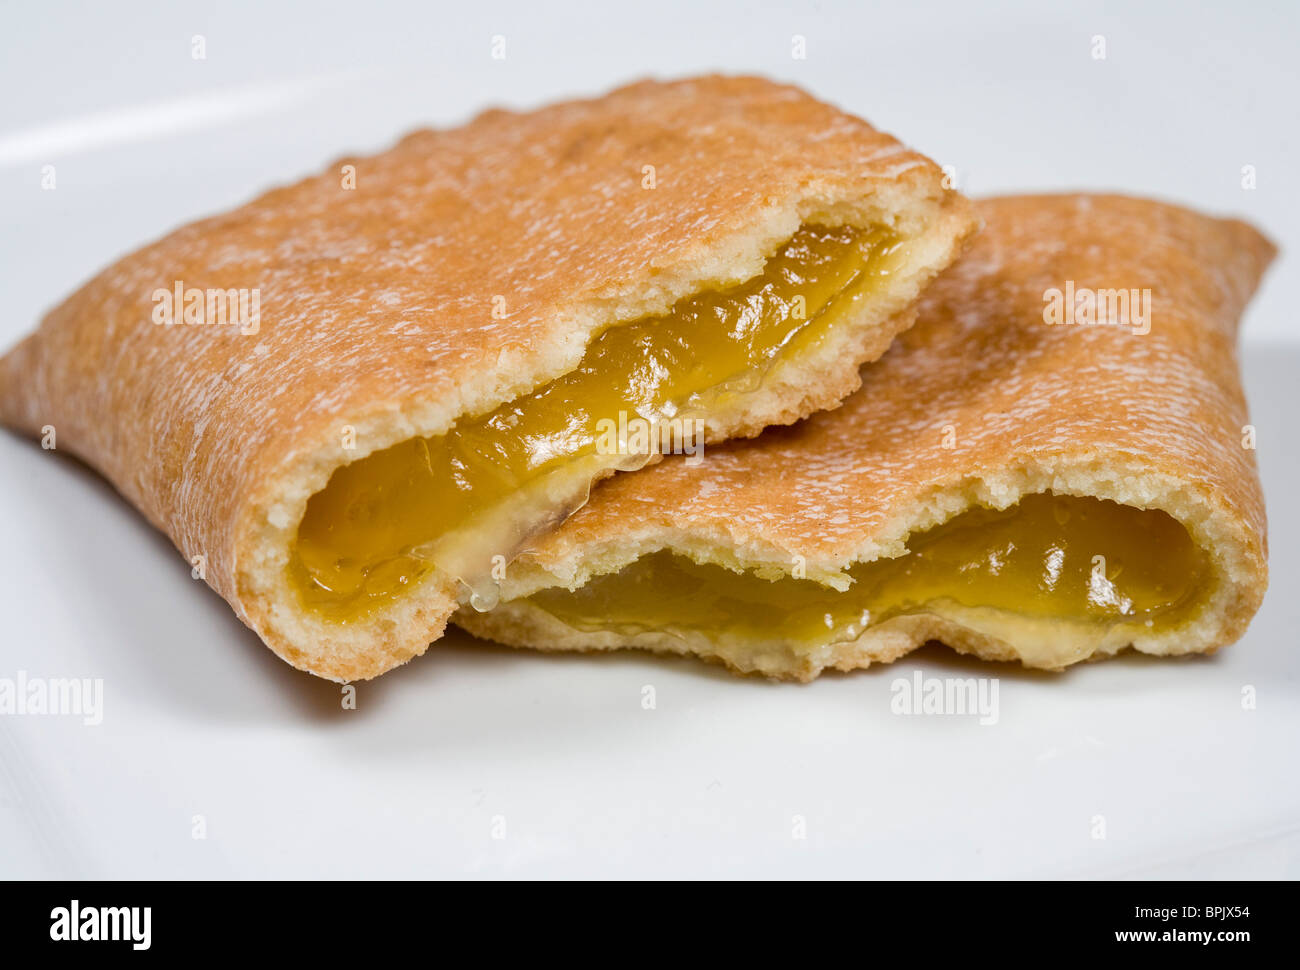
point(1152, 420)
point(376, 311)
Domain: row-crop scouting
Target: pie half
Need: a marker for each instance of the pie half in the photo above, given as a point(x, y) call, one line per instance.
point(1054, 464)
point(440, 348)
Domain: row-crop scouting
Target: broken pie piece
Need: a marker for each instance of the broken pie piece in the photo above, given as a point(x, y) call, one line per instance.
point(1020, 477)
point(447, 328)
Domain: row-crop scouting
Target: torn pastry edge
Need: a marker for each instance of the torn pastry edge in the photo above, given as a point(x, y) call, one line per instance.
point(1238, 560)
point(936, 223)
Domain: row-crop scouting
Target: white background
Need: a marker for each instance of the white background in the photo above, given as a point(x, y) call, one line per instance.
point(200, 719)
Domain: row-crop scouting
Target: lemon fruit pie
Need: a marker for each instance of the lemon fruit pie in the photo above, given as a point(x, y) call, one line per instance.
point(442, 347)
point(1019, 479)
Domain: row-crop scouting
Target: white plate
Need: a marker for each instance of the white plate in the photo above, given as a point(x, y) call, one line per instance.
point(556, 754)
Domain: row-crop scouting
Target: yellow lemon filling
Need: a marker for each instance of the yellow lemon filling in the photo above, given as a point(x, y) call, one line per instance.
point(466, 501)
point(1055, 558)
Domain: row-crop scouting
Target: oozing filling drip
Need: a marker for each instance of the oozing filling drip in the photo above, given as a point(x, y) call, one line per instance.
point(464, 502)
point(1091, 563)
